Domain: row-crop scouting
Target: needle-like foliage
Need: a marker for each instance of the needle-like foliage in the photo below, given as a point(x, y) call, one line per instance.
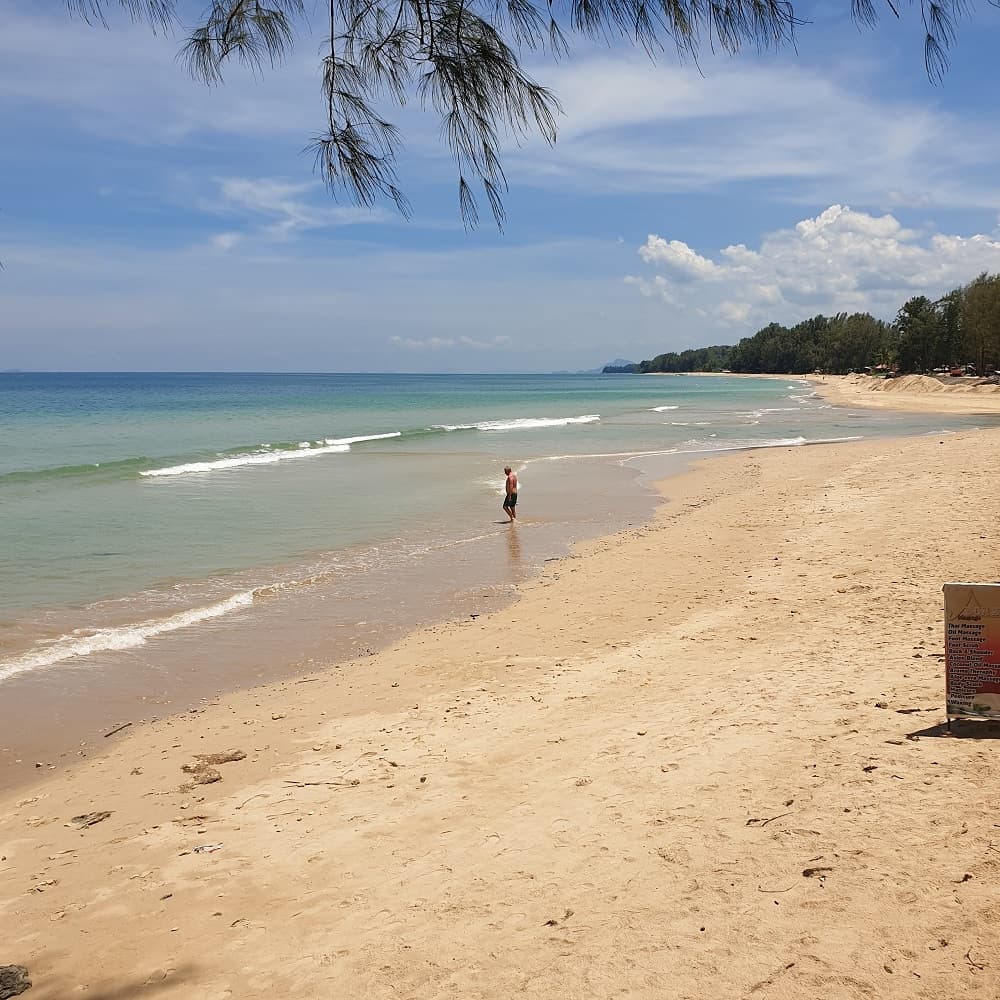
point(463, 59)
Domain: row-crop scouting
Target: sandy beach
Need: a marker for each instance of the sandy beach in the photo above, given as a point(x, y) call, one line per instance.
point(916, 393)
point(704, 758)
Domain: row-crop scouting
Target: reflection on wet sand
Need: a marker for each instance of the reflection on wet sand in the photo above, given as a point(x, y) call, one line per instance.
point(514, 547)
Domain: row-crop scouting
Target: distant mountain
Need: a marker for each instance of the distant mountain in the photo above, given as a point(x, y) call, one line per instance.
point(618, 367)
point(617, 363)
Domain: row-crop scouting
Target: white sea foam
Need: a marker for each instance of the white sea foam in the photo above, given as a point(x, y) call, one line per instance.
point(519, 424)
point(748, 444)
point(365, 437)
point(123, 637)
point(625, 456)
point(662, 409)
point(304, 450)
point(699, 445)
point(836, 440)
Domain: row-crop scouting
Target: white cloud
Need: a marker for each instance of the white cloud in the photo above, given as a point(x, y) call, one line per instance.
point(841, 260)
point(733, 312)
point(657, 287)
point(678, 257)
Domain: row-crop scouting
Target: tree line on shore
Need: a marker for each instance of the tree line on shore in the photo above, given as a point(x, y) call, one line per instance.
point(958, 330)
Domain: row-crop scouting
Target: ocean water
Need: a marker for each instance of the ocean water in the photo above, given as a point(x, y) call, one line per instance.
point(140, 507)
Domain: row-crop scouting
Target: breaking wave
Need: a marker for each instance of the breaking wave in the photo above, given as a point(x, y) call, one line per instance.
point(304, 449)
point(123, 637)
point(519, 423)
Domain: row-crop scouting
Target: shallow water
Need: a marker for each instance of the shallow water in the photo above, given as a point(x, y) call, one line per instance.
point(168, 536)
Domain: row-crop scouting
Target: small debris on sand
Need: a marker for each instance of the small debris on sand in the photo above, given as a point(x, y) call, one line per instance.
point(226, 757)
point(203, 773)
point(816, 872)
point(88, 819)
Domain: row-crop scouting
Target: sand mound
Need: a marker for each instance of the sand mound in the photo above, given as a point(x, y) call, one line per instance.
point(919, 393)
point(913, 383)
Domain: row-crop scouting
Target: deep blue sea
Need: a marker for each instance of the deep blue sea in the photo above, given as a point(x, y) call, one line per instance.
point(136, 506)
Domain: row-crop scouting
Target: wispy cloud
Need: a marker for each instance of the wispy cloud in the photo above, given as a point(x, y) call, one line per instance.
point(814, 133)
point(279, 209)
point(224, 242)
point(330, 306)
point(448, 343)
point(633, 127)
point(126, 83)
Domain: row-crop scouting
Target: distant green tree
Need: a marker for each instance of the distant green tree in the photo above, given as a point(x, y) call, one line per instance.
point(852, 342)
point(762, 352)
point(950, 308)
point(981, 321)
point(926, 334)
point(810, 336)
point(837, 344)
point(921, 337)
point(776, 348)
point(699, 359)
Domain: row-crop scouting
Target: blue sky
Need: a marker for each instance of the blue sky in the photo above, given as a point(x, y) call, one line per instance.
point(148, 222)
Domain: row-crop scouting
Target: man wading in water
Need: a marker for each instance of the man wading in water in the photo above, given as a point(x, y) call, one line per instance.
point(510, 500)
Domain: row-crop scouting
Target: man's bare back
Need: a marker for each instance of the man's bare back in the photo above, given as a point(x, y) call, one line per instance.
point(510, 494)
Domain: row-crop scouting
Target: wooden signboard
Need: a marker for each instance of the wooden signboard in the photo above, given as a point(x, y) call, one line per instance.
point(972, 650)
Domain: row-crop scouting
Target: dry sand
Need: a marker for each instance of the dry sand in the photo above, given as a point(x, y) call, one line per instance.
point(701, 759)
point(916, 393)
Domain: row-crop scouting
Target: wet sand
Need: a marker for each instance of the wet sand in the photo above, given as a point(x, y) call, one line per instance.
point(58, 714)
point(703, 758)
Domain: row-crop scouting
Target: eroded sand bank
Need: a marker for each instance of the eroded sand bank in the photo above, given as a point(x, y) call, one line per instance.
point(701, 759)
point(916, 393)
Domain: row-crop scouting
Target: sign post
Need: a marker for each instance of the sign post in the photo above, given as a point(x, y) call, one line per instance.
point(972, 650)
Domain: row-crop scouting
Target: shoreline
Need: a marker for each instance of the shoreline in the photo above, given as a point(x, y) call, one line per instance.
point(907, 393)
point(53, 716)
point(685, 711)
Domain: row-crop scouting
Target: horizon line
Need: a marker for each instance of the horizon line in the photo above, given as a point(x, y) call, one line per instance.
point(262, 371)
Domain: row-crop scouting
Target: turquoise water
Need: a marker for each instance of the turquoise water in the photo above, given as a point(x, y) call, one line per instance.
point(135, 505)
